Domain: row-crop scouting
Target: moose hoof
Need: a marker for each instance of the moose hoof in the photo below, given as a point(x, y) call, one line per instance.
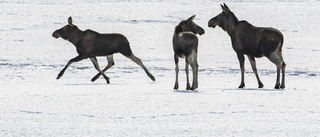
point(58, 77)
point(152, 78)
point(193, 88)
point(277, 87)
point(261, 85)
point(176, 86)
point(282, 86)
point(94, 78)
point(241, 86)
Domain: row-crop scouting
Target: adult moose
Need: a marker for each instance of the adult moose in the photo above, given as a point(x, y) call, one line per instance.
point(185, 45)
point(252, 41)
point(90, 44)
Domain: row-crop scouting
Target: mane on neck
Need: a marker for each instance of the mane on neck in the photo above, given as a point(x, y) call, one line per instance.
point(230, 24)
point(178, 29)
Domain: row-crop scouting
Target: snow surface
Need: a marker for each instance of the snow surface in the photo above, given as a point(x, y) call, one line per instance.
point(34, 103)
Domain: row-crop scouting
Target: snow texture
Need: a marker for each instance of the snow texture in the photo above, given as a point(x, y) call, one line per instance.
point(34, 103)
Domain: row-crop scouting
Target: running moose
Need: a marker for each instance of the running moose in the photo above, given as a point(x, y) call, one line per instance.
point(252, 41)
point(185, 45)
point(90, 44)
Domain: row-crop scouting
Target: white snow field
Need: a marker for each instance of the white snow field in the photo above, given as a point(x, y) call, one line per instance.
point(34, 103)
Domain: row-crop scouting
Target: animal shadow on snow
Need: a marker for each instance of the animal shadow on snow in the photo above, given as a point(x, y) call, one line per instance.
point(186, 91)
point(252, 89)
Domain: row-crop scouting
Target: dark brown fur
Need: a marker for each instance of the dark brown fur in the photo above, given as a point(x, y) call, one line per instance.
point(90, 44)
point(185, 45)
point(252, 41)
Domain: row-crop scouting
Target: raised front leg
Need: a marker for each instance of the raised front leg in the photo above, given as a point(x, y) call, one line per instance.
point(176, 60)
point(110, 64)
point(241, 61)
point(254, 68)
point(76, 59)
point(139, 62)
point(96, 65)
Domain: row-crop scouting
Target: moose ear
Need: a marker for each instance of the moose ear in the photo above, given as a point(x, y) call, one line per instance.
point(225, 8)
point(70, 21)
point(191, 18)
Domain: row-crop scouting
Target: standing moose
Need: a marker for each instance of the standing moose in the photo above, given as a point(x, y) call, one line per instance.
point(185, 45)
point(90, 44)
point(252, 41)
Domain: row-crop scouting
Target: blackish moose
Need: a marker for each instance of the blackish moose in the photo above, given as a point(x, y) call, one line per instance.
point(90, 44)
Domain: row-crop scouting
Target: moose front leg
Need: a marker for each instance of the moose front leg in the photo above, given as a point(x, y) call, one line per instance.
point(110, 64)
point(241, 61)
point(76, 59)
point(254, 68)
point(96, 65)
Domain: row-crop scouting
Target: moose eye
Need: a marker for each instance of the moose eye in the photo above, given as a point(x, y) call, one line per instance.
point(65, 28)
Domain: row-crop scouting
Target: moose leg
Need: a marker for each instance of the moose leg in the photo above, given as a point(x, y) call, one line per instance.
point(187, 73)
point(283, 67)
point(241, 61)
point(193, 64)
point(139, 62)
point(76, 59)
point(110, 64)
point(254, 68)
point(176, 60)
point(277, 60)
point(197, 66)
point(96, 65)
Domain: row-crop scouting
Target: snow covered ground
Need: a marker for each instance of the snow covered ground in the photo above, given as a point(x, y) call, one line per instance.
point(34, 103)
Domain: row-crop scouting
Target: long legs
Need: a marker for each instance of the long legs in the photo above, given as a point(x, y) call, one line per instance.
point(139, 62)
point(254, 68)
point(96, 65)
point(132, 57)
point(274, 57)
point(241, 61)
point(277, 59)
point(76, 59)
point(110, 64)
point(192, 61)
point(176, 60)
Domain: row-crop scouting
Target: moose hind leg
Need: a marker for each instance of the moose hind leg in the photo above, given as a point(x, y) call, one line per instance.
point(283, 67)
point(96, 65)
point(139, 62)
point(110, 64)
point(194, 67)
point(176, 60)
point(275, 57)
point(254, 68)
point(187, 74)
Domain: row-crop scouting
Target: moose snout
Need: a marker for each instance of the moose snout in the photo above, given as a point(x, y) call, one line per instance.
point(55, 34)
point(201, 31)
point(211, 24)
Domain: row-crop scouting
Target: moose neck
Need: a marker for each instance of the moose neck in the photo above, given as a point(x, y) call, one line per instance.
point(230, 23)
point(76, 36)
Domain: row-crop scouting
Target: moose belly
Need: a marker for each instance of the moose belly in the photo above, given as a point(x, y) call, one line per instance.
point(253, 52)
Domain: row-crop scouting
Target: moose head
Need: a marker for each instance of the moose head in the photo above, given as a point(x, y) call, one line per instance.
point(189, 25)
point(222, 18)
point(66, 31)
